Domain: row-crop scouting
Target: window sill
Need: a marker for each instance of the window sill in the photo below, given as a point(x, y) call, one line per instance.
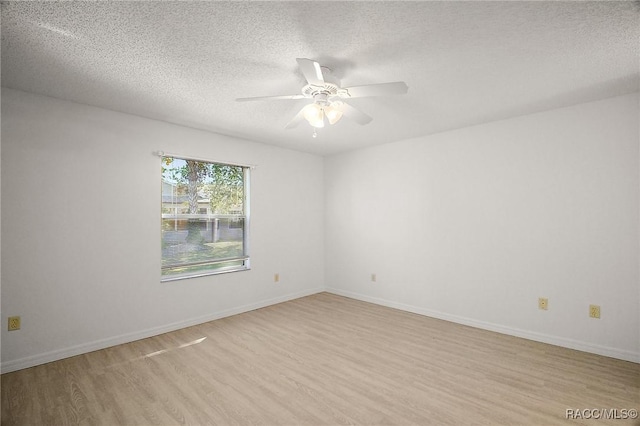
point(203, 274)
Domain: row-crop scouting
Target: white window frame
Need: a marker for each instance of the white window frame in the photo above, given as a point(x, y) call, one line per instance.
point(244, 261)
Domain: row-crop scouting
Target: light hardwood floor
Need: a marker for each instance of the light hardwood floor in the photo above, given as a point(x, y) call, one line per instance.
point(322, 360)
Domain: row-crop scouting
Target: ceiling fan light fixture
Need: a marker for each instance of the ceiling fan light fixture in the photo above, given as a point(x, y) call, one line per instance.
point(333, 114)
point(314, 114)
point(318, 123)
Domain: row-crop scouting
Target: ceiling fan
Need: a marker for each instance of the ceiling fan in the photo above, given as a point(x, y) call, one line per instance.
point(328, 97)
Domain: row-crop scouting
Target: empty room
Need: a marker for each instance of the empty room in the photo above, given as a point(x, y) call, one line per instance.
point(320, 213)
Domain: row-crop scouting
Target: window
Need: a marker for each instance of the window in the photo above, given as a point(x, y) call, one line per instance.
point(205, 213)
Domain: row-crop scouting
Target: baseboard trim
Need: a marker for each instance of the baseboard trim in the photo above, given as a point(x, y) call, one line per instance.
point(58, 354)
point(530, 335)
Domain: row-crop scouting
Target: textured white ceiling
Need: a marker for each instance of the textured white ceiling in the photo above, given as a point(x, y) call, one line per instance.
point(185, 62)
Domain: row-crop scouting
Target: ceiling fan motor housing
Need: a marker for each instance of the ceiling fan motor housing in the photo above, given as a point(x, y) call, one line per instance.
point(320, 93)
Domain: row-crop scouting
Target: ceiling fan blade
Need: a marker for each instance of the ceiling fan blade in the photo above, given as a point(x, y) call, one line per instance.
point(296, 120)
point(353, 113)
point(311, 71)
point(382, 89)
point(260, 98)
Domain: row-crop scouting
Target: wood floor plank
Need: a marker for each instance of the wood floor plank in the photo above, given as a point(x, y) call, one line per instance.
point(322, 360)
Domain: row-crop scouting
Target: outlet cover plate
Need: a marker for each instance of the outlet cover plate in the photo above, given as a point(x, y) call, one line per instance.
point(543, 303)
point(14, 323)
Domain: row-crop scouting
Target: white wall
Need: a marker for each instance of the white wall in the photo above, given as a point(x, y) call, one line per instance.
point(471, 225)
point(474, 225)
point(81, 229)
